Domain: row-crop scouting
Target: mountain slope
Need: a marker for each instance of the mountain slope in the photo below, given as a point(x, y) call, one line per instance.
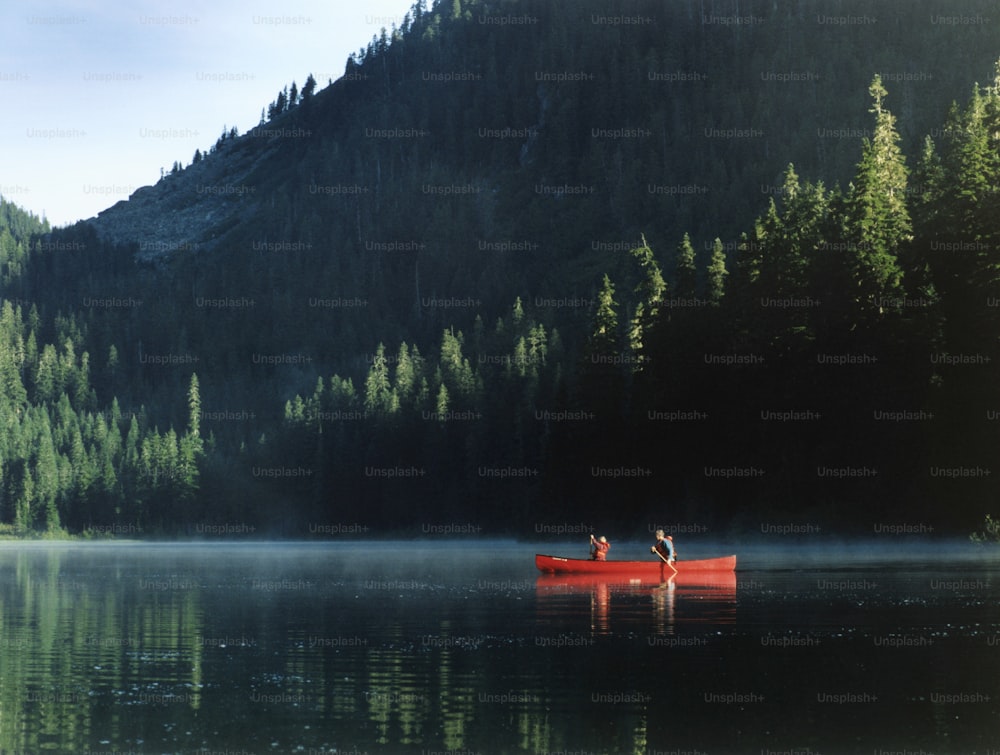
point(569, 127)
point(457, 199)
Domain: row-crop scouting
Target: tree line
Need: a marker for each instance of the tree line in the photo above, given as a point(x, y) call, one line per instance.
point(69, 460)
point(834, 366)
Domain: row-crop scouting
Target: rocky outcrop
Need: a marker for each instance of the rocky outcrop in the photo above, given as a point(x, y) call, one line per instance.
point(188, 211)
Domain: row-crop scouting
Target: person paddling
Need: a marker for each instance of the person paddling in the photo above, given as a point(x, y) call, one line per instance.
point(664, 548)
point(599, 548)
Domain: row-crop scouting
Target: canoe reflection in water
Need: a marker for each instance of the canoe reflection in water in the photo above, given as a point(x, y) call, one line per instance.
point(615, 604)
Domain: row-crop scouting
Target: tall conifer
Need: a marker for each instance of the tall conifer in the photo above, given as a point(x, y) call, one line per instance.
point(878, 221)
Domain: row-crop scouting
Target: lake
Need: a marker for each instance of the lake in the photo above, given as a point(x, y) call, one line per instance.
point(463, 647)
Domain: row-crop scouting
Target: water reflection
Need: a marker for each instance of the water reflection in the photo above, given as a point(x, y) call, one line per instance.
point(76, 659)
point(664, 603)
point(321, 649)
point(637, 604)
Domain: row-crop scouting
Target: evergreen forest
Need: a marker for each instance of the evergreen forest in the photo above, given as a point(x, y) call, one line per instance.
point(533, 265)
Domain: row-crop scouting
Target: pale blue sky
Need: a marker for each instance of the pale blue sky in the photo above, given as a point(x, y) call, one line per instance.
point(97, 96)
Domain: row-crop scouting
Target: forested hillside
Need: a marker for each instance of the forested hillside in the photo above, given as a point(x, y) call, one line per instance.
point(67, 459)
point(505, 274)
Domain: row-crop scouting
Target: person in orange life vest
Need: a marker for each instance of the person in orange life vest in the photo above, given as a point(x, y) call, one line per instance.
point(599, 548)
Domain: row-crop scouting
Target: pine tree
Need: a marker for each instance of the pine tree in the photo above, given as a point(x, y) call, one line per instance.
point(878, 222)
point(687, 272)
point(343, 397)
point(538, 347)
point(82, 393)
point(47, 479)
point(604, 339)
point(957, 206)
point(519, 359)
point(308, 88)
point(295, 411)
point(194, 407)
point(378, 392)
point(405, 376)
point(717, 274)
point(792, 237)
point(12, 391)
point(928, 190)
point(24, 504)
point(649, 293)
point(455, 367)
point(83, 473)
point(517, 314)
point(442, 403)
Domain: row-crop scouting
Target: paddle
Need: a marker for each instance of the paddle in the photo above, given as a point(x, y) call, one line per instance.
point(663, 559)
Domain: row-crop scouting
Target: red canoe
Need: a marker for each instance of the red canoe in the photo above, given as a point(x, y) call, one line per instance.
point(557, 565)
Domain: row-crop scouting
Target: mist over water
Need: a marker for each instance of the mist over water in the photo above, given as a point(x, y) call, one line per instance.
point(759, 551)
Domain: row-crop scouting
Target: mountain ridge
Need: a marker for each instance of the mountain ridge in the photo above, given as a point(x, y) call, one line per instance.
point(701, 162)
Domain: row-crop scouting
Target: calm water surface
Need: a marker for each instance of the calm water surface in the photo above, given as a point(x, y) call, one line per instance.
point(464, 648)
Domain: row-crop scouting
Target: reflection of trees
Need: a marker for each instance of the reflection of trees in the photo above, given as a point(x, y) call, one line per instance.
point(534, 730)
point(401, 687)
point(104, 645)
point(397, 701)
point(70, 649)
point(456, 703)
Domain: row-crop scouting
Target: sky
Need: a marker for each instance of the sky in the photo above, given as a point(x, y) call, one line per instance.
point(97, 96)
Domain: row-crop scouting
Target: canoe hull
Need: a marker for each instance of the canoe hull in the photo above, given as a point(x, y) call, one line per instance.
point(559, 565)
